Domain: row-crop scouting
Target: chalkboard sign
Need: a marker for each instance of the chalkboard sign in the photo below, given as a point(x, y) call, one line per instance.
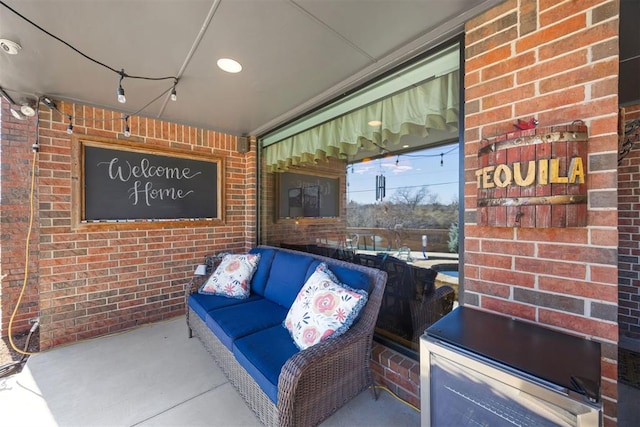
point(131, 182)
point(308, 196)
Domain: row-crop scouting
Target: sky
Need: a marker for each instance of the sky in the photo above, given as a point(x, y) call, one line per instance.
point(414, 170)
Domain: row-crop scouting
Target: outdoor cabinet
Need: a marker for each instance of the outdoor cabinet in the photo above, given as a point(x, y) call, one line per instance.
point(478, 368)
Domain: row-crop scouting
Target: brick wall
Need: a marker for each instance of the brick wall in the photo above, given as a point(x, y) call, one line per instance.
point(629, 236)
point(556, 61)
point(400, 374)
point(15, 176)
point(96, 282)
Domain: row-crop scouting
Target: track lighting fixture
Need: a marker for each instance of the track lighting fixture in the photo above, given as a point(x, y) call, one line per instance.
point(17, 114)
point(49, 103)
point(174, 95)
point(28, 110)
point(121, 98)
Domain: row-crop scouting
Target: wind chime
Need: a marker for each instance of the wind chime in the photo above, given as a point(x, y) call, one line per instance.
point(381, 187)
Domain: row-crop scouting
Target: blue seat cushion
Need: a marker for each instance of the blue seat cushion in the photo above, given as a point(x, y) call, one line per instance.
point(232, 322)
point(201, 303)
point(259, 280)
point(263, 354)
point(288, 274)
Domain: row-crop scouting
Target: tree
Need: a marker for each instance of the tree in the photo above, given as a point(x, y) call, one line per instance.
point(453, 238)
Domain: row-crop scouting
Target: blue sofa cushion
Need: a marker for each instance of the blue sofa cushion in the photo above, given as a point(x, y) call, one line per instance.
point(263, 354)
point(288, 274)
point(352, 278)
point(259, 281)
point(201, 303)
point(232, 322)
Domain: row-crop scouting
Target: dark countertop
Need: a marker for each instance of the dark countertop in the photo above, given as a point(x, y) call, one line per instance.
point(535, 350)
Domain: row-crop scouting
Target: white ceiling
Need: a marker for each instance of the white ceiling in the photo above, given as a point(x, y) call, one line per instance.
point(296, 54)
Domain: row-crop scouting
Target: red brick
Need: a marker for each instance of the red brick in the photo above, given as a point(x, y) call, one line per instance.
point(580, 325)
point(550, 33)
point(509, 308)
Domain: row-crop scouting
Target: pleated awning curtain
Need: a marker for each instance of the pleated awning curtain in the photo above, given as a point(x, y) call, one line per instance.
point(431, 105)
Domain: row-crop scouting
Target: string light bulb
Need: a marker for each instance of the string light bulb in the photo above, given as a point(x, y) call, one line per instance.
point(127, 130)
point(174, 95)
point(70, 127)
point(121, 98)
point(441, 159)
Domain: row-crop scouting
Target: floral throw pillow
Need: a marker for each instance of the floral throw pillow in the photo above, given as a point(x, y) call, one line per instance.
point(324, 308)
point(233, 276)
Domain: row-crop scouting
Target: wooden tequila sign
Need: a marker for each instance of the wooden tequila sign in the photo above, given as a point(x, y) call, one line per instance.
point(534, 178)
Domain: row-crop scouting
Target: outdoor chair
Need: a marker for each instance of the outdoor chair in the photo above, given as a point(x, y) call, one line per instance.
point(411, 303)
point(368, 260)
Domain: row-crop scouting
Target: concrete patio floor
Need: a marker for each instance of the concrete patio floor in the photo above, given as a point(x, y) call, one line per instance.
point(150, 376)
point(155, 376)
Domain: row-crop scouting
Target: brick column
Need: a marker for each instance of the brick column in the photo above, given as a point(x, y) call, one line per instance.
point(16, 156)
point(556, 61)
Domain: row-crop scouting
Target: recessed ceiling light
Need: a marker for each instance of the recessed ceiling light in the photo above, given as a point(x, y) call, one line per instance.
point(374, 123)
point(405, 146)
point(10, 47)
point(229, 65)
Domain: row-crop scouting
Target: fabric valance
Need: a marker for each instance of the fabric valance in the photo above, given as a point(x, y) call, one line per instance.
point(430, 105)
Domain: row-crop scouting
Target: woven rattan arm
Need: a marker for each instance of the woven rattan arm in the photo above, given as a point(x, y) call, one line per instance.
point(191, 287)
point(315, 382)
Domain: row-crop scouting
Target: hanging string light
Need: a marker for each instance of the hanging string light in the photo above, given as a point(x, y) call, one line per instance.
point(121, 98)
point(174, 95)
point(127, 130)
point(70, 127)
point(120, 91)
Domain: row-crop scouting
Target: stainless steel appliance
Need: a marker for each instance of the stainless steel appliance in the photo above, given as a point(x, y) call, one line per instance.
point(482, 369)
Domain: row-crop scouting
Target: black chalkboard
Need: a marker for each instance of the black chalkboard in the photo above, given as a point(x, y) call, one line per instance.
point(124, 184)
point(308, 196)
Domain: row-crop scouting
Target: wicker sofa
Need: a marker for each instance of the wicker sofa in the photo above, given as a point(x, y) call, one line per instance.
point(283, 385)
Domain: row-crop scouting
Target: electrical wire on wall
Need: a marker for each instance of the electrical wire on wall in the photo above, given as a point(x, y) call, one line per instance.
point(12, 367)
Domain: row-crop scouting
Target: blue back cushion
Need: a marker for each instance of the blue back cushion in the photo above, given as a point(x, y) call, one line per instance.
point(352, 278)
point(288, 274)
point(259, 280)
point(355, 279)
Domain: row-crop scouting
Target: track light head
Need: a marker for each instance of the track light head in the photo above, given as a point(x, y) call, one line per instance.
point(28, 110)
point(49, 103)
point(18, 114)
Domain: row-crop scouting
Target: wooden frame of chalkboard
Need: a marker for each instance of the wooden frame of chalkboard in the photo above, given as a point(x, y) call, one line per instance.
point(302, 195)
point(123, 185)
